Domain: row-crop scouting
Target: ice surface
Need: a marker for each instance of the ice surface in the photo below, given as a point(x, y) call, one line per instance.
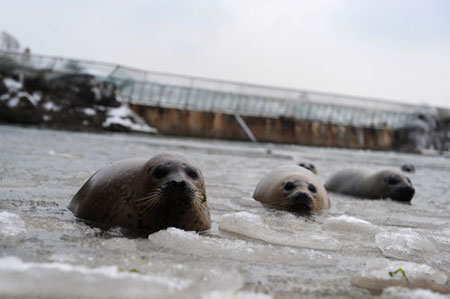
point(349, 224)
point(57, 280)
point(405, 293)
point(235, 295)
point(253, 226)
point(405, 245)
point(375, 277)
point(119, 244)
point(193, 243)
point(12, 227)
point(41, 170)
point(121, 116)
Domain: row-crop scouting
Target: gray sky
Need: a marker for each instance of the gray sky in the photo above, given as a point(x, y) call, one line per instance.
point(398, 50)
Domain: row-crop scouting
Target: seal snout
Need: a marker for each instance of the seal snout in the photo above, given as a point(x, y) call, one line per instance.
point(301, 202)
point(176, 185)
point(404, 194)
point(179, 190)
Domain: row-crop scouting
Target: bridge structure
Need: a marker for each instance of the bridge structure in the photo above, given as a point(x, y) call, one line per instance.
point(197, 93)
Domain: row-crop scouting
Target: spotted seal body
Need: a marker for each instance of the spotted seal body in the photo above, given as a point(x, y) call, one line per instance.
point(382, 184)
point(146, 195)
point(292, 188)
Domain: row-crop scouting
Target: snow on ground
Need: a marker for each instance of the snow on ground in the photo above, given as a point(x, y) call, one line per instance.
point(122, 116)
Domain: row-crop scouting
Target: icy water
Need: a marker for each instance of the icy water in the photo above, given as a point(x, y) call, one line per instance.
point(250, 252)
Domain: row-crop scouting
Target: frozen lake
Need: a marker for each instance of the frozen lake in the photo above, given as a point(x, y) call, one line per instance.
point(250, 251)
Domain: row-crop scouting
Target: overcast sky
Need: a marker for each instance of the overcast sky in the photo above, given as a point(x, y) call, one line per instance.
point(391, 49)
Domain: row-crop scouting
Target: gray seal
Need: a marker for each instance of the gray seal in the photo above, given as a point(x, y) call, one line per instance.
point(146, 195)
point(311, 167)
point(408, 168)
point(292, 188)
point(382, 184)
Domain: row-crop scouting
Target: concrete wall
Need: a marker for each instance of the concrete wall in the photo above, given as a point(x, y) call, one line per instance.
point(277, 130)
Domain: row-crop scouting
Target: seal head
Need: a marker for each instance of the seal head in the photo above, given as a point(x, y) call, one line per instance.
point(148, 195)
point(382, 184)
point(292, 188)
point(397, 187)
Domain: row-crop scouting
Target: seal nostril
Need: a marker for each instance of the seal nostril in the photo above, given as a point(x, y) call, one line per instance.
point(178, 185)
point(301, 196)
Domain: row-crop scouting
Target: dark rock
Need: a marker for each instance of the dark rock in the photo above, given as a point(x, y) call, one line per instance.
point(20, 109)
point(3, 88)
point(63, 101)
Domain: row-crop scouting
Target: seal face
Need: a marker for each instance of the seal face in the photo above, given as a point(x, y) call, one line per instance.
point(146, 195)
point(382, 184)
point(311, 167)
point(292, 188)
point(408, 168)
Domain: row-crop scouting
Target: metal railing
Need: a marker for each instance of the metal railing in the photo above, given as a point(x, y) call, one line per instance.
point(188, 92)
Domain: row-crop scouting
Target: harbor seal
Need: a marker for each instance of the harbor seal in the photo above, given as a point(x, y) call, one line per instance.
point(382, 184)
point(311, 167)
point(292, 188)
point(408, 168)
point(146, 195)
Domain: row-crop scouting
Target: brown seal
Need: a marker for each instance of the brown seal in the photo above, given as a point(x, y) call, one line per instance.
point(292, 188)
point(311, 167)
point(146, 195)
point(382, 184)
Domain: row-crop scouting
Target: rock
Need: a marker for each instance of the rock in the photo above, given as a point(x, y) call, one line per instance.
point(65, 101)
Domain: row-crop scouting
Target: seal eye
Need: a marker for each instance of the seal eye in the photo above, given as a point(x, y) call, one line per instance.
point(160, 172)
point(289, 186)
point(312, 188)
point(192, 173)
point(392, 180)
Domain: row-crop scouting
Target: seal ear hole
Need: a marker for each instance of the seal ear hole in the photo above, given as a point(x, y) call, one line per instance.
point(160, 172)
point(409, 181)
point(289, 186)
point(312, 188)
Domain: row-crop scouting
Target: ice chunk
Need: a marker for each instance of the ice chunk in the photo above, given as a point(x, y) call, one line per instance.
point(253, 226)
point(12, 227)
point(349, 224)
point(193, 243)
point(405, 293)
point(61, 280)
point(380, 274)
point(405, 245)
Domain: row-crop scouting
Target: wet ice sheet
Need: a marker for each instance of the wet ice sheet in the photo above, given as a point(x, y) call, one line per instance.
point(49, 280)
point(379, 274)
point(250, 252)
point(253, 226)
